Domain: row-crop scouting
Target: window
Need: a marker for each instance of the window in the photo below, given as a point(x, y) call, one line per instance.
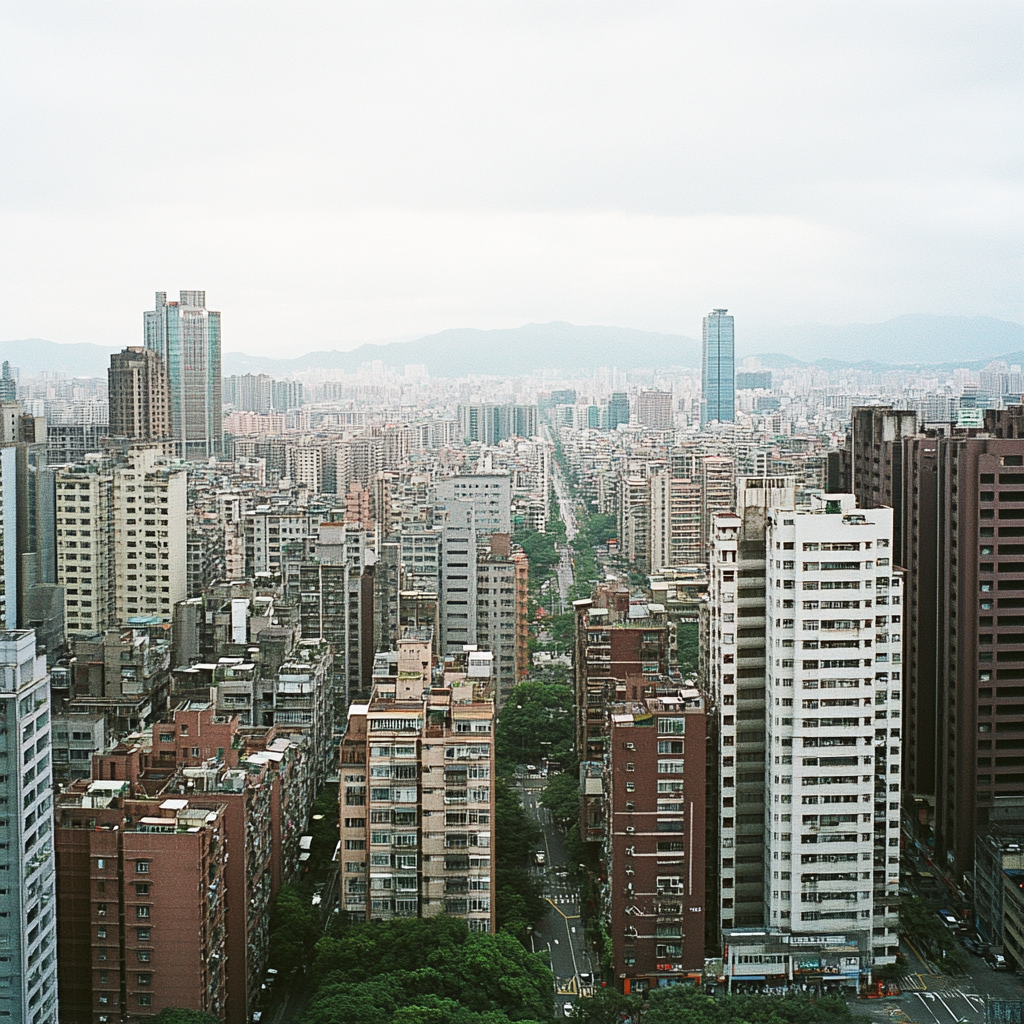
point(145, 980)
point(142, 912)
point(142, 955)
point(142, 867)
point(145, 999)
point(142, 934)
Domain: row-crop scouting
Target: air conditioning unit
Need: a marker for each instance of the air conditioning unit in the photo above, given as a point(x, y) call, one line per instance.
point(629, 746)
point(630, 830)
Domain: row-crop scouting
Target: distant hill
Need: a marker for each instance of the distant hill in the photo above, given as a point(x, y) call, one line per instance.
point(31, 355)
point(505, 352)
point(940, 341)
point(915, 338)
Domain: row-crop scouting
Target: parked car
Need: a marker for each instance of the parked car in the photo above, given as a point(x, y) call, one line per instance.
point(566, 1009)
point(948, 919)
point(540, 858)
point(997, 962)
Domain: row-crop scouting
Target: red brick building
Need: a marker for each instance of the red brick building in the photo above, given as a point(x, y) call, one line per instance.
point(141, 897)
point(654, 788)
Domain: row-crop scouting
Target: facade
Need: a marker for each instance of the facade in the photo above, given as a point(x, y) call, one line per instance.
point(718, 369)
point(654, 848)
point(675, 521)
point(142, 904)
point(490, 424)
point(717, 494)
point(457, 591)
point(489, 493)
point(834, 726)
point(980, 660)
point(417, 795)
point(85, 545)
point(186, 336)
point(150, 536)
point(139, 396)
point(735, 637)
point(654, 410)
point(497, 611)
point(28, 979)
point(877, 436)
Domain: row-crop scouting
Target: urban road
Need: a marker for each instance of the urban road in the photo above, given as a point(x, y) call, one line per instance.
point(568, 514)
point(560, 932)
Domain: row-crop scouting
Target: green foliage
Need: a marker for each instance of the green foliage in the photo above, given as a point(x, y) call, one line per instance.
point(518, 898)
point(688, 644)
point(924, 926)
point(536, 721)
point(597, 528)
point(324, 831)
point(294, 927)
point(682, 1004)
point(606, 1006)
point(562, 797)
point(176, 1015)
point(426, 971)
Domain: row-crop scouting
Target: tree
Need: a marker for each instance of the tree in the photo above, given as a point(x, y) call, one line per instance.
point(682, 1004)
point(606, 1006)
point(536, 721)
point(688, 645)
point(177, 1015)
point(561, 796)
point(294, 927)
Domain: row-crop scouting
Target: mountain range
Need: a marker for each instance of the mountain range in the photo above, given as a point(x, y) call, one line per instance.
point(940, 341)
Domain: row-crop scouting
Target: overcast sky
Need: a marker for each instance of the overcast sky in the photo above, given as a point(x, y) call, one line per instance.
point(333, 173)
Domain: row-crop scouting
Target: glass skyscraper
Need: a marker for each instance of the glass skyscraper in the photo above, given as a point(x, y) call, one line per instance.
point(186, 335)
point(718, 369)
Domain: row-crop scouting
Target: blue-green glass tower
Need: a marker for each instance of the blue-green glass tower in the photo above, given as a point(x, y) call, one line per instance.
point(186, 335)
point(718, 369)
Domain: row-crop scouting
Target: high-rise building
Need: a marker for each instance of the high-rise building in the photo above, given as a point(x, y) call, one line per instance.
point(457, 582)
point(979, 656)
point(718, 369)
point(834, 726)
point(489, 493)
point(618, 409)
point(85, 545)
point(717, 494)
point(654, 409)
point(150, 504)
point(654, 796)
point(186, 336)
point(139, 395)
point(28, 906)
point(675, 521)
point(417, 792)
point(734, 636)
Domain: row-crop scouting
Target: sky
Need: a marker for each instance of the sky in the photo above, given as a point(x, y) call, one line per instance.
point(335, 173)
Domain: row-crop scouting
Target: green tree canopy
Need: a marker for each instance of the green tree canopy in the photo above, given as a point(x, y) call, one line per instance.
point(536, 721)
point(421, 971)
point(682, 1004)
point(177, 1015)
point(562, 797)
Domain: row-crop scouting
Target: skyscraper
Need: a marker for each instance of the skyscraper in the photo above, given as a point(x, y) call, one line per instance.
point(186, 335)
point(718, 369)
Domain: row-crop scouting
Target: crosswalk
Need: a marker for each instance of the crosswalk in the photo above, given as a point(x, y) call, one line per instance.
point(570, 988)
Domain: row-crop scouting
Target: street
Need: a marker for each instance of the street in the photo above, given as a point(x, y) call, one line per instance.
point(568, 514)
point(561, 930)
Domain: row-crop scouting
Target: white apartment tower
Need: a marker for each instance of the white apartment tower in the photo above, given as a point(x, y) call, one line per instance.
point(85, 545)
point(28, 909)
point(150, 504)
point(735, 639)
point(833, 698)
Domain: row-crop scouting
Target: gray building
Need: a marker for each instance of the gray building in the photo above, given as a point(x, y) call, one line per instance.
point(489, 493)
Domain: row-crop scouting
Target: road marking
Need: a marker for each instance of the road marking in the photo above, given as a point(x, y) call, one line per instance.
point(566, 916)
point(927, 1007)
point(955, 1016)
point(567, 990)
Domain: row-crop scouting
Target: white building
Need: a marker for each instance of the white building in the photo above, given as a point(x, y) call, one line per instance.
point(150, 497)
point(28, 938)
point(833, 695)
point(85, 545)
point(490, 493)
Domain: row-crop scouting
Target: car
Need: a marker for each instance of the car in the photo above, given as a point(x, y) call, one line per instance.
point(948, 919)
point(586, 978)
point(257, 1017)
point(531, 768)
point(540, 858)
point(997, 962)
point(566, 1009)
